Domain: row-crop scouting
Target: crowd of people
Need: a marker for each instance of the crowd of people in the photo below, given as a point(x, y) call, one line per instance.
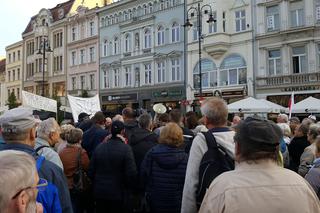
point(170, 163)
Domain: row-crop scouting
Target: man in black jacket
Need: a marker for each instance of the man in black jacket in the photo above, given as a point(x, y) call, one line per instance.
point(130, 122)
point(19, 134)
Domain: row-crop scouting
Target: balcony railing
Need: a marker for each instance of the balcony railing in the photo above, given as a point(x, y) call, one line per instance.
point(38, 77)
point(294, 79)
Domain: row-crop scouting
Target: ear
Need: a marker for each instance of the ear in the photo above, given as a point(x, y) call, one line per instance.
point(22, 201)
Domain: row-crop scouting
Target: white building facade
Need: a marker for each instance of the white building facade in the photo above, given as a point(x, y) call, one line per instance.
point(288, 49)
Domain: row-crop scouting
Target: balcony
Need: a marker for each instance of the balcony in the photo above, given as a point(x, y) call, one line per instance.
point(303, 79)
point(38, 77)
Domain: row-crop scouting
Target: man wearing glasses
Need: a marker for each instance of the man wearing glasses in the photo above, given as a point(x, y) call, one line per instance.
point(18, 130)
point(19, 182)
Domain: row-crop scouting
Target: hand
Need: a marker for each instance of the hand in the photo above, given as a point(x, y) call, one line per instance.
point(39, 208)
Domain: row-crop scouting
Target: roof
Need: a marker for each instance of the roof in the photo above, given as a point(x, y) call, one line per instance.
point(54, 12)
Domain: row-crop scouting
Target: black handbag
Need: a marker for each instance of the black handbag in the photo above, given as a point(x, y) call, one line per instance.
point(81, 181)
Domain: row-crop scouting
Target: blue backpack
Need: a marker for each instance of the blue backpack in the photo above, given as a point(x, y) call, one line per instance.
point(49, 197)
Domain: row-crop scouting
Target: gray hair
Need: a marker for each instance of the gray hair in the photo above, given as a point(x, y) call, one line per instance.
point(46, 127)
point(215, 110)
point(118, 117)
point(144, 121)
point(17, 172)
point(74, 136)
point(286, 131)
point(65, 129)
point(314, 130)
point(284, 117)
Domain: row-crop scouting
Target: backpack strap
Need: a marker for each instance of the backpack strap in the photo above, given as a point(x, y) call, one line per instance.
point(40, 147)
point(39, 162)
point(210, 140)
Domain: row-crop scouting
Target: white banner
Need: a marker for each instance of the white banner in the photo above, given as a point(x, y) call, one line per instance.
point(87, 105)
point(38, 102)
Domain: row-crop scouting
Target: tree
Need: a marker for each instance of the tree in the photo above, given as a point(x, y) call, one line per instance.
point(12, 101)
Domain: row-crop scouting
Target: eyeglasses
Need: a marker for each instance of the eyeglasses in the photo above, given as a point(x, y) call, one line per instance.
point(41, 186)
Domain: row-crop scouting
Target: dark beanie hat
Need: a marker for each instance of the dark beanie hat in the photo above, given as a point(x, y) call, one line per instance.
point(116, 127)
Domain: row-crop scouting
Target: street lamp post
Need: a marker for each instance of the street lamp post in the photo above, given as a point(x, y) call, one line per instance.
point(199, 10)
point(44, 47)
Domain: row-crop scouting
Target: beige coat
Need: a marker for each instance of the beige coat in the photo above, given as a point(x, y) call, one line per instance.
point(306, 159)
point(260, 188)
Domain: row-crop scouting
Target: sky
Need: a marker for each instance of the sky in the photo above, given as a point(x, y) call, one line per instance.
point(15, 16)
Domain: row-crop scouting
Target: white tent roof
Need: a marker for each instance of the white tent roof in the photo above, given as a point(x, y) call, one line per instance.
point(308, 105)
point(249, 105)
point(274, 107)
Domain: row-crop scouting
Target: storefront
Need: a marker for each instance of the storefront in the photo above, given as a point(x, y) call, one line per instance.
point(116, 102)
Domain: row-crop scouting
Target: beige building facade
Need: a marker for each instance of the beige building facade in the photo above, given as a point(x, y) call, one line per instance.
point(13, 73)
point(287, 47)
point(227, 51)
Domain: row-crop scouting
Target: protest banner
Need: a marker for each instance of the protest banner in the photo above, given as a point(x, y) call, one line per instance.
point(38, 102)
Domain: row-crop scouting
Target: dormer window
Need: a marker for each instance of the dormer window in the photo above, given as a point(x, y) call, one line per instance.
point(44, 22)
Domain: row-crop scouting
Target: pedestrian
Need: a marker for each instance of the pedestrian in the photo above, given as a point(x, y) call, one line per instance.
point(84, 121)
point(130, 122)
point(48, 135)
point(18, 130)
point(191, 120)
point(65, 129)
point(113, 172)
point(258, 184)
point(313, 175)
point(163, 171)
point(19, 182)
point(293, 123)
point(71, 156)
point(309, 153)
point(96, 134)
point(282, 118)
point(215, 114)
point(162, 120)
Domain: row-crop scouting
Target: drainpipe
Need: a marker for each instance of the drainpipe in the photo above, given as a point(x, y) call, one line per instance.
point(254, 52)
point(185, 48)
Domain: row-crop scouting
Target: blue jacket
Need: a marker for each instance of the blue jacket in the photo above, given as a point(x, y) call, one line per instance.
point(92, 138)
point(49, 171)
point(163, 171)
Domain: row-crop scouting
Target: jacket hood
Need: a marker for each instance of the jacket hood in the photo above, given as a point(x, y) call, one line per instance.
point(168, 157)
point(140, 135)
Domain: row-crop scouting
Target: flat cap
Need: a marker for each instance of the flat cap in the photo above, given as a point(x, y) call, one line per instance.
point(17, 120)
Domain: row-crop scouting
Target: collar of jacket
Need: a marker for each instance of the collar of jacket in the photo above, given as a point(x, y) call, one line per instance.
point(42, 142)
point(220, 129)
point(20, 147)
point(259, 165)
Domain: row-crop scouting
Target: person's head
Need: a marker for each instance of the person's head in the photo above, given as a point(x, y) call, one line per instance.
point(118, 117)
point(65, 129)
point(236, 120)
point(99, 118)
point(49, 130)
point(175, 116)
point(257, 139)
point(74, 136)
point(293, 123)
point(163, 119)
point(286, 131)
point(282, 118)
point(191, 120)
point(145, 121)
point(18, 180)
point(117, 127)
point(128, 114)
point(313, 118)
point(171, 135)
point(83, 116)
point(317, 142)
point(18, 126)
point(108, 122)
point(302, 129)
point(314, 131)
point(215, 112)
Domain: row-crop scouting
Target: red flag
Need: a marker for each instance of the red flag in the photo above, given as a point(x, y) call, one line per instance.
point(291, 103)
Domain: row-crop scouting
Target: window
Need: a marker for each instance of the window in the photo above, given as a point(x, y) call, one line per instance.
point(299, 59)
point(136, 41)
point(240, 20)
point(128, 76)
point(91, 28)
point(297, 13)
point(73, 34)
point(105, 48)
point(175, 32)
point(92, 54)
point(73, 82)
point(92, 80)
point(274, 62)
point(318, 12)
point(213, 25)
point(233, 71)
point(18, 93)
point(73, 58)
point(116, 77)
point(161, 72)
point(125, 16)
point(224, 21)
point(57, 40)
point(102, 22)
point(145, 9)
point(9, 76)
point(319, 54)
point(150, 8)
point(13, 75)
point(127, 45)
point(82, 82)
point(167, 3)
point(195, 32)
point(18, 73)
point(208, 74)
point(9, 57)
point(160, 35)
point(116, 46)
point(19, 55)
point(57, 64)
point(147, 38)
point(30, 49)
point(147, 73)
point(82, 56)
point(175, 70)
point(161, 4)
point(106, 82)
point(14, 56)
point(273, 18)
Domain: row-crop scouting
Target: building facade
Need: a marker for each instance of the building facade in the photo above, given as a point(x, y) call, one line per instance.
point(226, 49)
point(142, 54)
point(83, 52)
point(287, 46)
point(13, 79)
point(2, 82)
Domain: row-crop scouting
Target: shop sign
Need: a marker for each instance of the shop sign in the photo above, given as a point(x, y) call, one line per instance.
point(160, 94)
point(130, 96)
point(232, 93)
point(301, 88)
point(175, 93)
point(204, 94)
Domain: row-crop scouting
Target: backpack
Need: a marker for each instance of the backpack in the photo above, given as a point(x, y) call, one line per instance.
point(81, 181)
point(213, 163)
point(49, 197)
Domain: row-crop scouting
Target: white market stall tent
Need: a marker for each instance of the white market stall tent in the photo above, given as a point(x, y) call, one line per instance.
point(249, 105)
point(308, 105)
point(275, 108)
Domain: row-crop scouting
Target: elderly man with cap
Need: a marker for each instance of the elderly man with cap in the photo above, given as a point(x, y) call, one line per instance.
point(18, 130)
point(258, 184)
